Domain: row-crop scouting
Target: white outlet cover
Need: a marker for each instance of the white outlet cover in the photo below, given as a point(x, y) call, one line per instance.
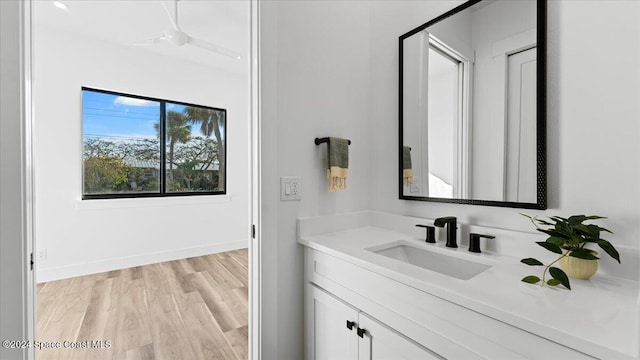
point(41, 254)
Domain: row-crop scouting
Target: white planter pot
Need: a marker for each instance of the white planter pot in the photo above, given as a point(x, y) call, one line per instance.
point(579, 268)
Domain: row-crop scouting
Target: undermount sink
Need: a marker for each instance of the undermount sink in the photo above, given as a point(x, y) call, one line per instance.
point(409, 253)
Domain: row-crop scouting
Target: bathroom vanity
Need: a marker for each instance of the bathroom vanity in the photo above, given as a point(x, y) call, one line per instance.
point(472, 130)
point(369, 295)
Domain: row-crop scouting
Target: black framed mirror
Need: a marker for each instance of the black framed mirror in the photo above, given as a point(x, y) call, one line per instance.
point(472, 106)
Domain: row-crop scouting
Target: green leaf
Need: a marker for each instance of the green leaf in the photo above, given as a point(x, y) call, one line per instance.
point(551, 247)
point(531, 262)
point(531, 279)
point(579, 219)
point(559, 219)
point(587, 230)
point(556, 241)
point(534, 219)
point(576, 219)
point(606, 246)
point(544, 222)
point(554, 233)
point(527, 216)
point(574, 241)
point(603, 229)
point(553, 282)
point(583, 254)
point(560, 276)
point(564, 229)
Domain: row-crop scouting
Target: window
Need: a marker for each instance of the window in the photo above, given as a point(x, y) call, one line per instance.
point(134, 146)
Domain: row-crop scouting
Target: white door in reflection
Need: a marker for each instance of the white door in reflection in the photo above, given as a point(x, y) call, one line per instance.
point(444, 116)
point(520, 165)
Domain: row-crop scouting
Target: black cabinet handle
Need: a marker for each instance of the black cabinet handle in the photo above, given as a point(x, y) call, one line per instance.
point(361, 332)
point(350, 324)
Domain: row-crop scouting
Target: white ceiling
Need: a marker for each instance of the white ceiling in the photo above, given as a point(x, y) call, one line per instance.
point(223, 23)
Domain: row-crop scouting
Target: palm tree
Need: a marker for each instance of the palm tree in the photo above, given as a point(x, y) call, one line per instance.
point(211, 121)
point(178, 131)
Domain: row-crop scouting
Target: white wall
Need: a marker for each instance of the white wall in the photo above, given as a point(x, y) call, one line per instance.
point(14, 290)
point(456, 32)
point(315, 71)
point(98, 235)
point(344, 56)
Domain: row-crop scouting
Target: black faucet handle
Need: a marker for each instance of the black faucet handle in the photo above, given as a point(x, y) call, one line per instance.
point(474, 241)
point(431, 233)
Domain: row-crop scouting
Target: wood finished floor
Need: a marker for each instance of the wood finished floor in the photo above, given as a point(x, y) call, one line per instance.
point(186, 309)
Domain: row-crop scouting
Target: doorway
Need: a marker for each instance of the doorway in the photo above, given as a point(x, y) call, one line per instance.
point(112, 64)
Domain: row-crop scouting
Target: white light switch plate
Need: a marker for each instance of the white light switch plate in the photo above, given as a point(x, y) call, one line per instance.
point(290, 188)
point(415, 185)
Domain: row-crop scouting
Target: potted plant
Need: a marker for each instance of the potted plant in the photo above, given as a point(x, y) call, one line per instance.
point(569, 237)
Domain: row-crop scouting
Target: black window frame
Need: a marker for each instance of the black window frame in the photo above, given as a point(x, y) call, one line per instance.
point(163, 150)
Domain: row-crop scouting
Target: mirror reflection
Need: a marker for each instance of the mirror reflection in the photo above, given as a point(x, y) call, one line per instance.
point(469, 100)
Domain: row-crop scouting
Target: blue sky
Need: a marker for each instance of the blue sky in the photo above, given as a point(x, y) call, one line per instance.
point(108, 115)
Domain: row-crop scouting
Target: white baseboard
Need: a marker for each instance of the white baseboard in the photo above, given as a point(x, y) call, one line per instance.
point(68, 271)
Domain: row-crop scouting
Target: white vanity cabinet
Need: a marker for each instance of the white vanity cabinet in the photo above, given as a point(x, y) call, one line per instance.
point(338, 331)
point(401, 322)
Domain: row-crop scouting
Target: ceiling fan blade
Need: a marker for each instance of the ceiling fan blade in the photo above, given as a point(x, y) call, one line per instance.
point(174, 22)
point(215, 48)
point(148, 42)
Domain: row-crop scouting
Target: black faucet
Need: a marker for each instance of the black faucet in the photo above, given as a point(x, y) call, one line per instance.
point(451, 223)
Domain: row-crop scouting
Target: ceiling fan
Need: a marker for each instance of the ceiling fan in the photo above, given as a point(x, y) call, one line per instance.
point(177, 37)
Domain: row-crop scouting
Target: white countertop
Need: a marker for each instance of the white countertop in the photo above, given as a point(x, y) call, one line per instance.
point(598, 316)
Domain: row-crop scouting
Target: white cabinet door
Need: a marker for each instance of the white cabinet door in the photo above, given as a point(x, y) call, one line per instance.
point(382, 343)
point(338, 331)
point(328, 337)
